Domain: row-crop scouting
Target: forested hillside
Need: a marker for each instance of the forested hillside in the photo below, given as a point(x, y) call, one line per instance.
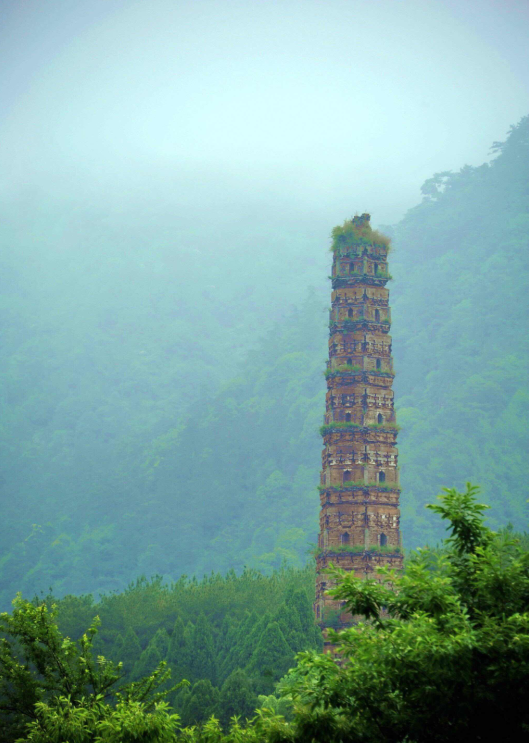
point(164, 388)
point(110, 335)
point(231, 637)
point(460, 310)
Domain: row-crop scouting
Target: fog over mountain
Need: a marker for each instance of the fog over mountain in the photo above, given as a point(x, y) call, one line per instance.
point(170, 173)
point(326, 107)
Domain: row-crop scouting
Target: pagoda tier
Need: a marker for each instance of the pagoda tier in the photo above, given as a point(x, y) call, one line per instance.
point(359, 485)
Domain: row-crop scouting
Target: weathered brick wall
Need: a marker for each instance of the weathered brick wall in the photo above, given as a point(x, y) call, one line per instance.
point(359, 485)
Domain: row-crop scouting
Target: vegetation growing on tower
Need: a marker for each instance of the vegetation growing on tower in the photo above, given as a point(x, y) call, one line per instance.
point(359, 432)
point(357, 231)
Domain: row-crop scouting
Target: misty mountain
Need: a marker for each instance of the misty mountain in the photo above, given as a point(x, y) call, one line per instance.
point(163, 381)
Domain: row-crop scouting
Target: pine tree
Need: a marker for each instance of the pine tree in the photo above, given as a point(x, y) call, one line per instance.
point(289, 624)
point(299, 602)
point(203, 664)
point(149, 660)
point(161, 641)
point(178, 655)
point(127, 650)
point(251, 641)
point(226, 634)
point(236, 697)
point(238, 636)
point(117, 648)
point(201, 703)
point(271, 659)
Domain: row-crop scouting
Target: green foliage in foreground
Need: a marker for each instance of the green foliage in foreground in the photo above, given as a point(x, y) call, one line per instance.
point(52, 688)
point(447, 660)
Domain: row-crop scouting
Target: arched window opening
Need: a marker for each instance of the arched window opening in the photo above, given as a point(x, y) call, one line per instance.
point(349, 362)
point(375, 268)
point(345, 538)
point(377, 315)
point(382, 477)
point(347, 476)
point(383, 540)
point(351, 268)
point(380, 418)
point(348, 417)
point(349, 313)
point(379, 364)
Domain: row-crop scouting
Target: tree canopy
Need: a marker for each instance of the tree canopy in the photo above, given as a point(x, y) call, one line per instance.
point(440, 655)
point(443, 651)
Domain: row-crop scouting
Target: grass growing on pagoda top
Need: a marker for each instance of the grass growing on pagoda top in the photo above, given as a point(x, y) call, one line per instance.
point(349, 234)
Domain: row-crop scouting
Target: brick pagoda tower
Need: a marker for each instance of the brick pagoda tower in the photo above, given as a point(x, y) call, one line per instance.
point(359, 518)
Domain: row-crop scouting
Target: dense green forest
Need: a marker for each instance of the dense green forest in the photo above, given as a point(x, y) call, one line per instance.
point(163, 384)
point(231, 637)
point(448, 659)
point(460, 308)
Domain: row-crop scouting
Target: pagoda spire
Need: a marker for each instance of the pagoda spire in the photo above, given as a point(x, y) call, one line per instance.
point(359, 487)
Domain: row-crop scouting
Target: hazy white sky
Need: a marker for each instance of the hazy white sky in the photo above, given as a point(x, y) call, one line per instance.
point(338, 104)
